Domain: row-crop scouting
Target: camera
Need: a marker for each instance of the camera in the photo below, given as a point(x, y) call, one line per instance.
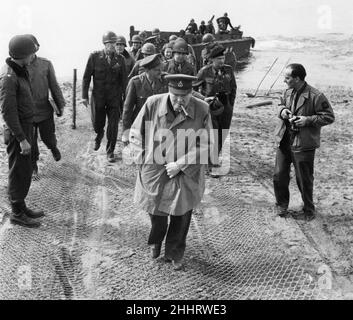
point(293, 127)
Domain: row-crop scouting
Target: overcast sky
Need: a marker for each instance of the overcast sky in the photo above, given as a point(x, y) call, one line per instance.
point(68, 30)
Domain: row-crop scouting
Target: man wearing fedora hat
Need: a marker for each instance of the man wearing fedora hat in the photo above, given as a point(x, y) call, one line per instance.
point(171, 177)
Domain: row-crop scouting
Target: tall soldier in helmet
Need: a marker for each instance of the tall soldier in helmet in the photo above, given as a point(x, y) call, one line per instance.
point(148, 49)
point(208, 39)
point(217, 79)
point(135, 50)
point(43, 80)
point(17, 105)
point(108, 70)
point(120, 47)
point(179, 63)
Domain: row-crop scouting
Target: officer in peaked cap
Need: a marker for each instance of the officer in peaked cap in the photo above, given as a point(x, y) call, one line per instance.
point(217, 79)
point(140, 87)
point(170, 181)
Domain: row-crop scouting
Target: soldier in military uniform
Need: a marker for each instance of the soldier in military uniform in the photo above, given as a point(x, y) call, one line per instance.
point(120, 47)
point(179, 63)
point(202, 28)
point(108, 70)
point(192, 27)
point(208, 39)
point(135, 50)
point(43, 79)
point(17, 105)
point(141, 87)
point(217, 79)
point(170, 184)
point(157, 40)
point(223, 23)
point(148, 49)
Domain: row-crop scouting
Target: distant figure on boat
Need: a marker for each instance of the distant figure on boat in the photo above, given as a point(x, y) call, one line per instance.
point(210, 28)
point(192, 27)
point(223, 23)
point(202, 28)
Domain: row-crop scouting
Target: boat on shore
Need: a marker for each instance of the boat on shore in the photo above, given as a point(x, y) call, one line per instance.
point(233, 39)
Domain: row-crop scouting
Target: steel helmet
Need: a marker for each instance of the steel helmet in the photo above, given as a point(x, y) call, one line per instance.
point(136, 39)
point(181, 46)
point(109, 37)
point(34, 39)
point(173, 37)
point(142, 34)
point(208, 37)
point(21, 46)
point(148, 48)
point(155, 31)
point(120, 40)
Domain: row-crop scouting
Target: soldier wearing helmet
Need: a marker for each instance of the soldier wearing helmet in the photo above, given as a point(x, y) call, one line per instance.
point(173, 37)
point(192, 27)
point(120, 47)
point(147, 49)
point(108, 70)
point(157, 40)
point(136, 45)
point(208, 39)
point(16, 104)
point(179, 63)
point(43, 107)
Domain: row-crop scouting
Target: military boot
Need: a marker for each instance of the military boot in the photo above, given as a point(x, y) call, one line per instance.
point(19, 217)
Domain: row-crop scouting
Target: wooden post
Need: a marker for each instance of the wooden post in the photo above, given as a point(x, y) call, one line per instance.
point(73, 126)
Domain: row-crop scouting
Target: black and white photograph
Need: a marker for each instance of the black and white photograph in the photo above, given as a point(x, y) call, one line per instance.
point(176, 155)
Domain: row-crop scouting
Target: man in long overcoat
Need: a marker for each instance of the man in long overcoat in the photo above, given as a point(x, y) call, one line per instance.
point(172, 142)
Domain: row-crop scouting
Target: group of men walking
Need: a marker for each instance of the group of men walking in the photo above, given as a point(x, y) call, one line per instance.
point(154, 94)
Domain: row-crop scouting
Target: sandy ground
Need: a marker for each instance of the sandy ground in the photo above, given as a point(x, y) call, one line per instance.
point(328, 238)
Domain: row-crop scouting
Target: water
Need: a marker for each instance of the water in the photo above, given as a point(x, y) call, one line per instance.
point(328, 60)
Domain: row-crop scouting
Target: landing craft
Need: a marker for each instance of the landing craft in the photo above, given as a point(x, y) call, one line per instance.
point(234, 39)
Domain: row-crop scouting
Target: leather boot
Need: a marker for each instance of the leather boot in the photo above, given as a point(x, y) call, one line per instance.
point(34, 214)
point(19, 217)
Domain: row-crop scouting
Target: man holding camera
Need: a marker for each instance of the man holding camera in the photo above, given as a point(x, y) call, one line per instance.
point(303, 112)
